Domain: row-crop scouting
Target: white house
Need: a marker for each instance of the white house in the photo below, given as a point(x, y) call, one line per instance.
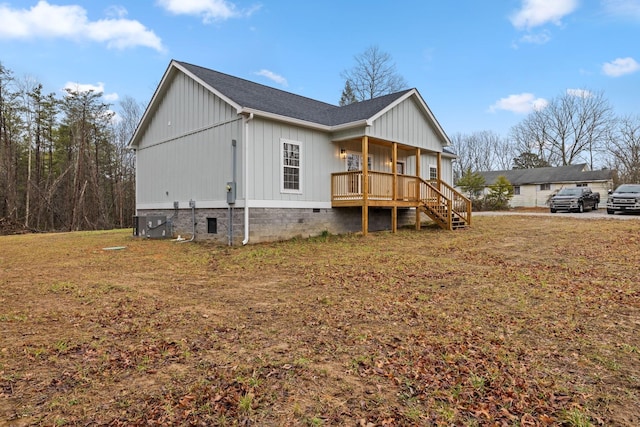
point(220, 157)
point(534, 187)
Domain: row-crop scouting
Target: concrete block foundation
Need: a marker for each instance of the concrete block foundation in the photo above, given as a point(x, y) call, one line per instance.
point(272, 224)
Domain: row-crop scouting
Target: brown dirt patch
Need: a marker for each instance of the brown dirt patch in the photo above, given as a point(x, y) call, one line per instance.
point(516, 321)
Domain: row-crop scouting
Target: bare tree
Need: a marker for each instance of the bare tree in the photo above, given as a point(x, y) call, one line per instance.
point(481, 151)
point(571, 128)
point(123, 164)
point(529, 137)
point(11, 129)
point(623, 146)
point(64, 163)
point(88, 118)
point(503, 152)
point(373, 75)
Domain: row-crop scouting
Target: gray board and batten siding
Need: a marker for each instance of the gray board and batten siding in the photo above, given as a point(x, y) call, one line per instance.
point(184, 153)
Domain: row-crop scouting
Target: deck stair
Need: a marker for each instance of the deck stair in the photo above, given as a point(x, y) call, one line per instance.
point(449, 209)
point(446, 206)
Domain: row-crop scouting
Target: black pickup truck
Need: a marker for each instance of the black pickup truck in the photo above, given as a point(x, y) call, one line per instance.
point(574, 199)
point(626, 198)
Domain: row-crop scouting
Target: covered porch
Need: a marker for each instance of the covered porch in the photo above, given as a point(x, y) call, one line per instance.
point(370, 188)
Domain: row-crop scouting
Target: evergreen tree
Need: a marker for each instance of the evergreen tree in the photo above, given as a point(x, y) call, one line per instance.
point(529, 160)
point(87, 118)
point(499, 195)
point(472, 183)
point(64, 163)
point(348, 97)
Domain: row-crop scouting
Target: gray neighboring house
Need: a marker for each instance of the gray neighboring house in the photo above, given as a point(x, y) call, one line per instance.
point(533, 187)
point(223, 158)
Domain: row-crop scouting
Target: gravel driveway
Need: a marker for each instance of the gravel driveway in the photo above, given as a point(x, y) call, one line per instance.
point(597, 214)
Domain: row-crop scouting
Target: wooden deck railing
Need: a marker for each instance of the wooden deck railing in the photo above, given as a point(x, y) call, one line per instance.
point(348, 186)
point(437, 195)
point(460, 204)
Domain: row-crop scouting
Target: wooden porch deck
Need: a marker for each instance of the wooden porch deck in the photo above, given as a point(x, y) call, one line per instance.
point(442, 203)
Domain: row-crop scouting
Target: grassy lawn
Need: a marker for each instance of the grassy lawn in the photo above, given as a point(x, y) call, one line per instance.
point(518, 321)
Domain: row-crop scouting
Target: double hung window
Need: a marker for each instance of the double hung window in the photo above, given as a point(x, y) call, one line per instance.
point(291, 161)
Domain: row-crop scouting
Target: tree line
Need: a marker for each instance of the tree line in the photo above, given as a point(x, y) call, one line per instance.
point(578, 126)
point(64, 162)
point(574, 127)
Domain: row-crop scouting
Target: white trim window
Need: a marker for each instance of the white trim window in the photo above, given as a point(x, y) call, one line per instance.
point(433, 173)
point(290, 166)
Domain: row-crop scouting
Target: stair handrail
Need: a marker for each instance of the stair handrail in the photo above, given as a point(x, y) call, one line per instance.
point(440, 200)
point(464, 213)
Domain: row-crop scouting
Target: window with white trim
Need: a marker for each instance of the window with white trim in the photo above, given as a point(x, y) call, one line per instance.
point(291, 162)
point(516, 190)
point(545, 187)
point(433, 173)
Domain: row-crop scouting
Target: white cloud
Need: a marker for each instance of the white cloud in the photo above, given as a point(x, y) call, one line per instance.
point(620, 66)
point(273, 76)
point(522, 103)
point(111, 97)
point(535, 13)
point(539, 38)
point(209, 10)
point(87, 87)
point(622, 8)
point(46, 21)
point(580, 93)
point(116, 12)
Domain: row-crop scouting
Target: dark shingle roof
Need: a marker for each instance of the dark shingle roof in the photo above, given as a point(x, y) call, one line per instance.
point(248, 94)
point(570, 173)
point(363, 110)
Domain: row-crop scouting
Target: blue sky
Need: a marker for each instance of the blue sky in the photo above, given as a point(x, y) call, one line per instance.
point(480, 65)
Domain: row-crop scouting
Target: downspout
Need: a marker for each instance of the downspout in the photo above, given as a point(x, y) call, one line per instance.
point(246, 120)
point(233, 183)
point(192, 205)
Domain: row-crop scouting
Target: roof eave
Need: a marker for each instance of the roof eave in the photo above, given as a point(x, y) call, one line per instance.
point(172, 68)
point(133, 142)
point(349, 125)
point(286, 119)
point(305, 123)
point(213, 90)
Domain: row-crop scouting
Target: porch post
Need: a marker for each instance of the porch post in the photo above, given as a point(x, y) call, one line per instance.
point(418, 187)
point(365, 185)
point(439, 165)
point(394, 191)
